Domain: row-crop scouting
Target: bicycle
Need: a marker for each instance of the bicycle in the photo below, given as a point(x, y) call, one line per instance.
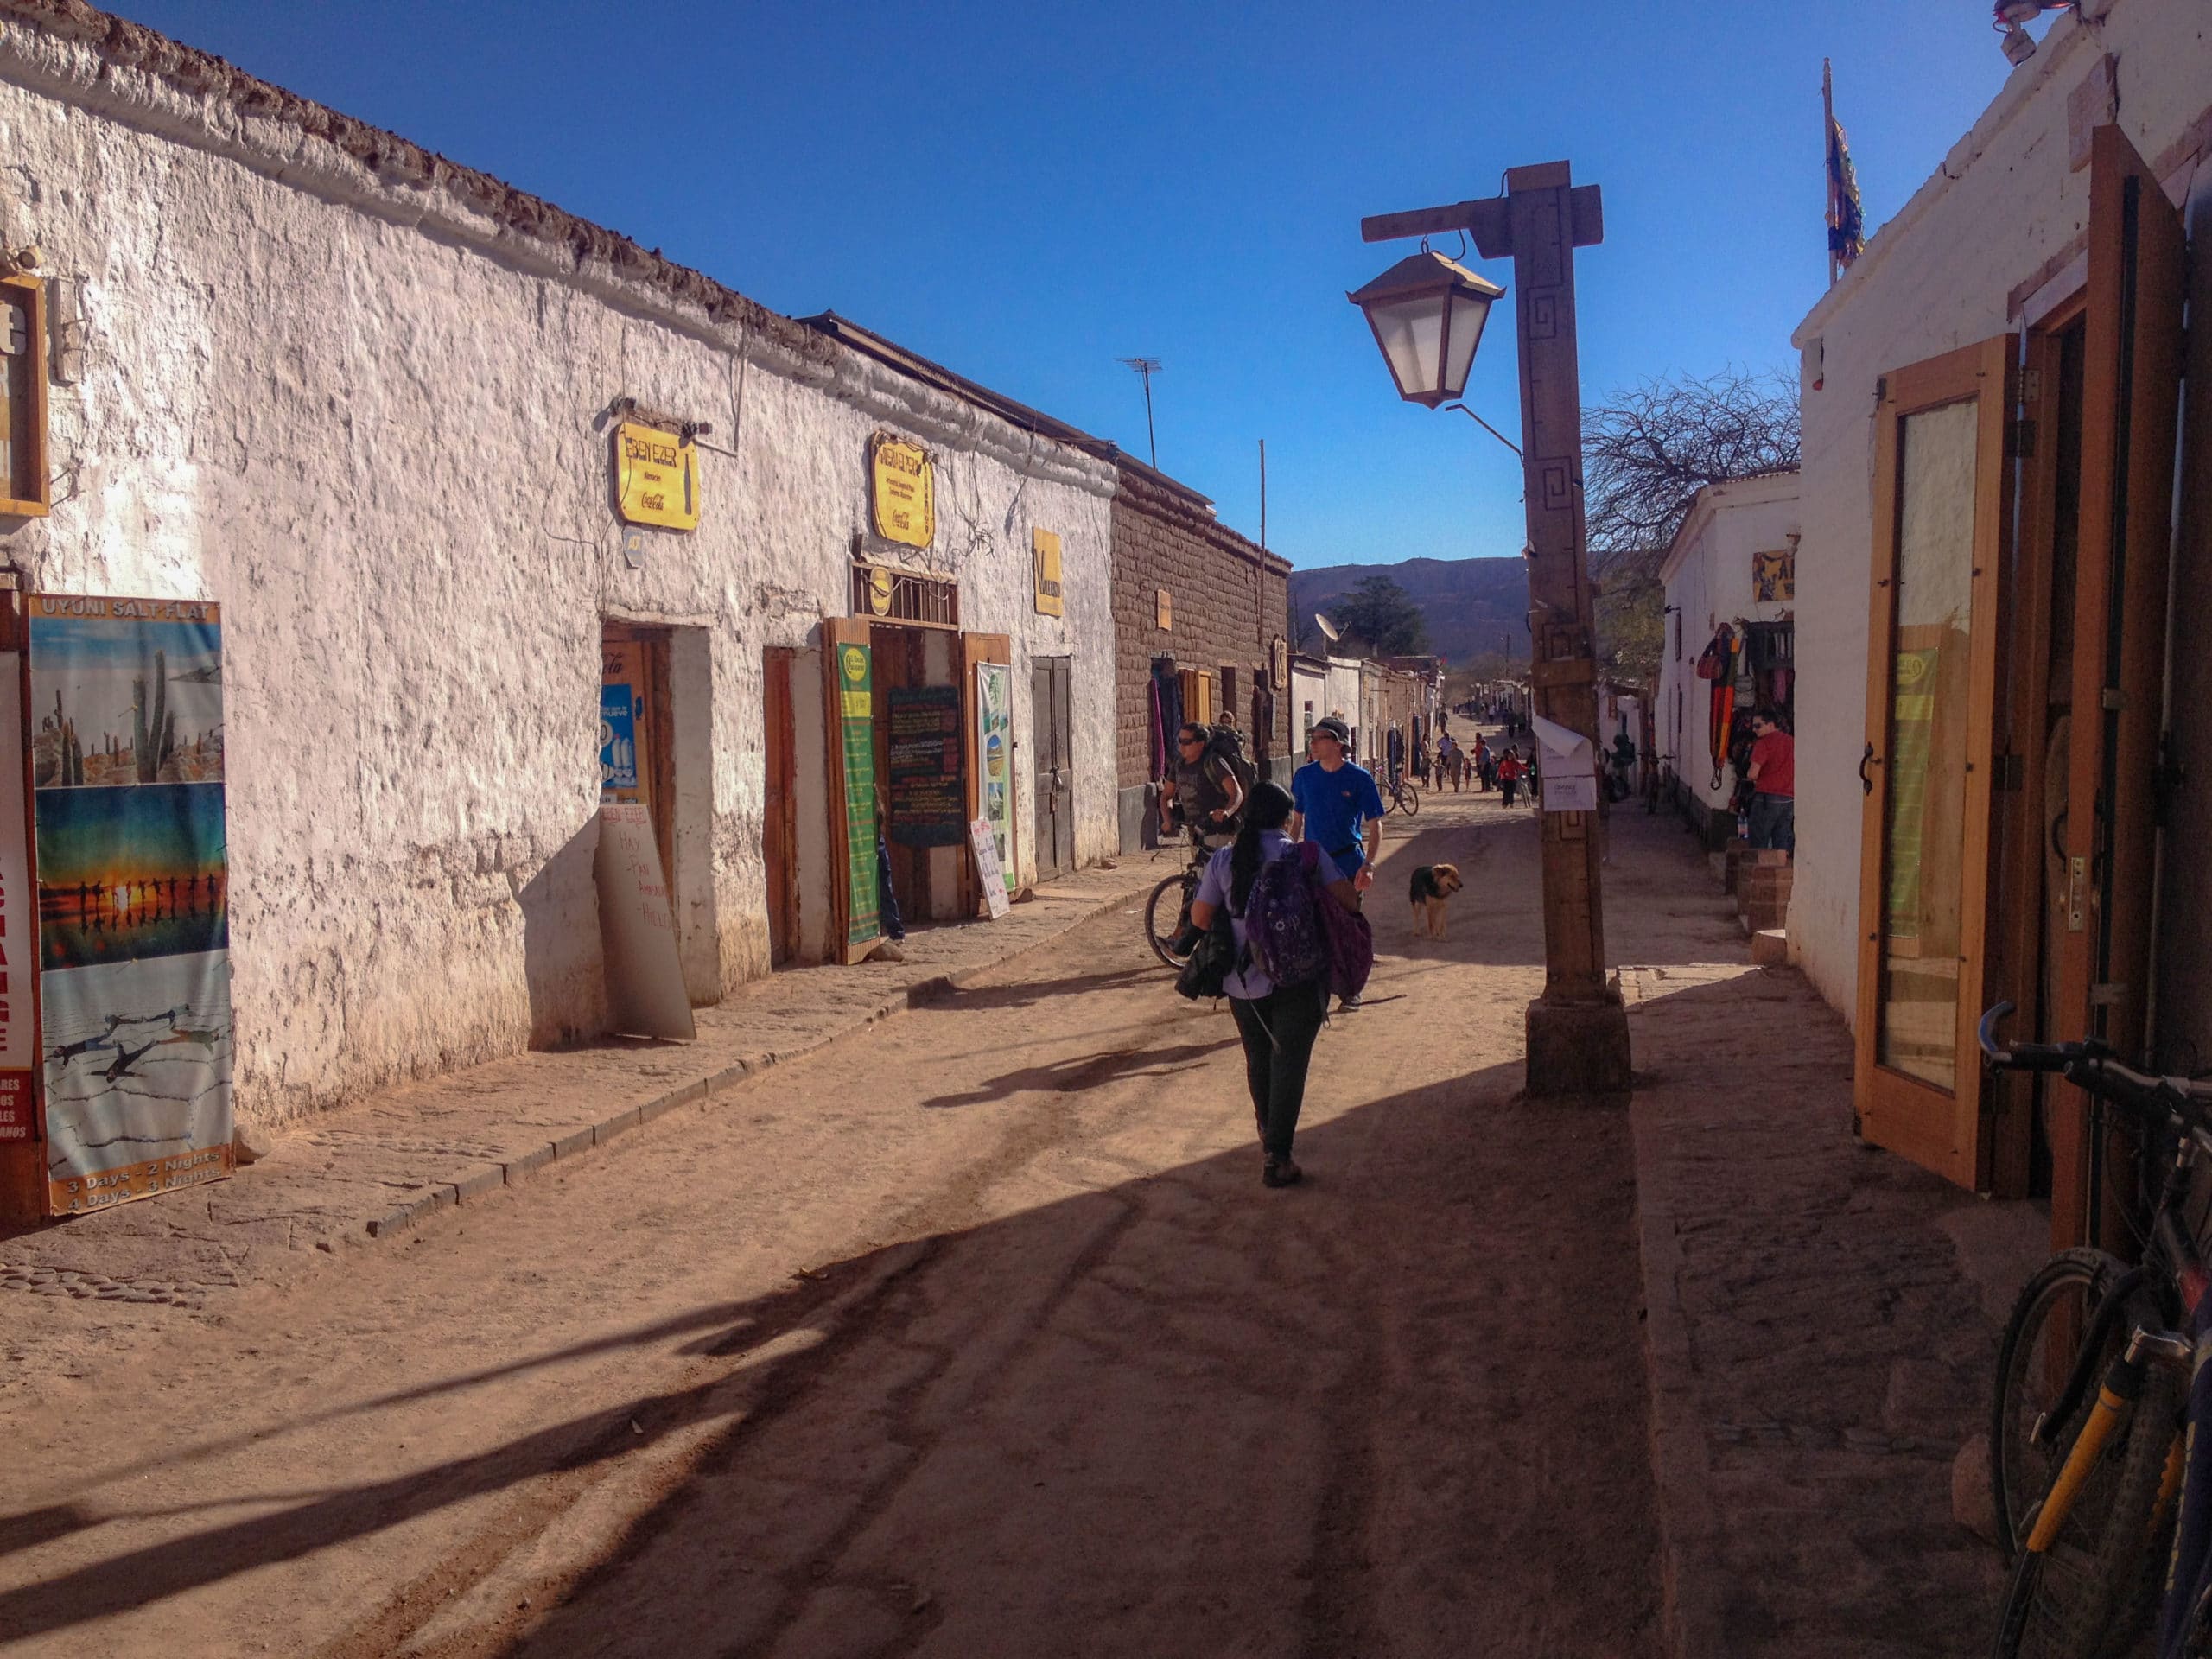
point(1183, 885)
point(2091, 1552)
point(1399, 793)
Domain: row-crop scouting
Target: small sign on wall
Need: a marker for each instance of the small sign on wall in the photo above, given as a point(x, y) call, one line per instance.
point(1774, 575)
point(902, 485)
point(656, 477)
point(1164, 610)
point(1045, 555)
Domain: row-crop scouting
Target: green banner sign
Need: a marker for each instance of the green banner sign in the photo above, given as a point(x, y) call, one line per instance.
point(856, 714)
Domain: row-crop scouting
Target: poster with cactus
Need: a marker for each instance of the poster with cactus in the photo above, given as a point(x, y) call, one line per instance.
point(132, 869)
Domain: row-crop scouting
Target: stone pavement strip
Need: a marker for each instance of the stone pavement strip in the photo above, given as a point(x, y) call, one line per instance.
point(1821, 1324)
point(374, 1168)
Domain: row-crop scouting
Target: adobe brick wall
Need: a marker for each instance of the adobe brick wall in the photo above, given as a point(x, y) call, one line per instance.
point(1228, 603)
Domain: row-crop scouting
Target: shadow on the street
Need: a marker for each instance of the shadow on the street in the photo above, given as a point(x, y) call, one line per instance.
point(1208, 1349)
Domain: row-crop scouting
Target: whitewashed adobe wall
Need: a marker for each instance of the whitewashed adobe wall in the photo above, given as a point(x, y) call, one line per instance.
point(1708, 576)
point(2003, 204)
point(356, 395)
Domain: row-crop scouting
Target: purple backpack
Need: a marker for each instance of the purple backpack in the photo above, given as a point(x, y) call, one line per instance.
point(1297, 934)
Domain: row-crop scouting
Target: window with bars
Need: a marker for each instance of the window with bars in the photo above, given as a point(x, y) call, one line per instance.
point(905, 595)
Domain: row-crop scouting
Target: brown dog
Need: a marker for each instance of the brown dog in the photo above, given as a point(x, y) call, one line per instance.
point(1433, 884)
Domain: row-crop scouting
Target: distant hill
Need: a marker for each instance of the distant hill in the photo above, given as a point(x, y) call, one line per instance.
point(1471, 605)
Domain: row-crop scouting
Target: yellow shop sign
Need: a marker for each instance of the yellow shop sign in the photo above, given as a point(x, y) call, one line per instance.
point(656, 477)
point(1045, 551)
point(904, 488)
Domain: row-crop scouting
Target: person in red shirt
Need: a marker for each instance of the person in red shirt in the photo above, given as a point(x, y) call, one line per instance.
point(1774, 784)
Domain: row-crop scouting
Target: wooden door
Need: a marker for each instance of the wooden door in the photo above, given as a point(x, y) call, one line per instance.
point(1939, 506)
point(779, 822)
point(2130, 385)
point(1054, 711)
point(1047, 745)
point(848, 709)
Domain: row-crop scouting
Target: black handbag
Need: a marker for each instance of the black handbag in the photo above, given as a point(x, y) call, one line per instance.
point(1212, 960)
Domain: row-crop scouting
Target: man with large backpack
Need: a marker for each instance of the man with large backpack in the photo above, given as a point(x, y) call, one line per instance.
point(1208, 784)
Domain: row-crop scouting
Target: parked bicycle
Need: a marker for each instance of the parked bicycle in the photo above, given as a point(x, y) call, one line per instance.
point(1399, 793)
point(1167, 912)
point(2091, 1363)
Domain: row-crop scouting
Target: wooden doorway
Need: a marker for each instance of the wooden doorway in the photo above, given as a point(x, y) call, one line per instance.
point(1939, 520)
point(779, 849)
point(637, 753)
point(1052, 713)
point(2131, 378)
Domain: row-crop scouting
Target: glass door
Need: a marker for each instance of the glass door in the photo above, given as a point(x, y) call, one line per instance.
point(1931, 674)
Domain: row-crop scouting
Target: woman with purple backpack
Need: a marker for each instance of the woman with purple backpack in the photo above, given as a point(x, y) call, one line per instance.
point(1277, 1022)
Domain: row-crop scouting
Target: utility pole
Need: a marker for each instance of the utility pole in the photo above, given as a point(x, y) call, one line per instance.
point(1146, 367)
point(1578, 1029)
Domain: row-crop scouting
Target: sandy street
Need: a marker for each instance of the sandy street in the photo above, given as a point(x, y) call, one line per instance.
point(976, 1334)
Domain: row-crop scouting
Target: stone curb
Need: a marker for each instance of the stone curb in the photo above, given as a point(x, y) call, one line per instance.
point(1681, 1473)
point(487, 1177)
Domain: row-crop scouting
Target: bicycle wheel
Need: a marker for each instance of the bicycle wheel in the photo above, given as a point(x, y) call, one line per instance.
point(2043, 1338)
point(2091, 1590)
point(1409, 799)
point(1177, 892)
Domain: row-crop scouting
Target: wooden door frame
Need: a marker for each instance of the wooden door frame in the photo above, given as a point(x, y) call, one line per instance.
point(2022, 716)
point(1942, 1131)
point(779, 820)
point(986, 648)
point(658, 776)
point(2130, 382)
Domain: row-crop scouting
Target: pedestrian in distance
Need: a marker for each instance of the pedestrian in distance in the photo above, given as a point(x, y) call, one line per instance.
point(1277, 1024)
point(1336, 806)
point(1773, 774)
point(1508, 774)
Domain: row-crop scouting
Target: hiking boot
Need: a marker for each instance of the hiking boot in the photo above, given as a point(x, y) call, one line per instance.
point(888, 951)
point(1283, 1174)
point(1349, 1005)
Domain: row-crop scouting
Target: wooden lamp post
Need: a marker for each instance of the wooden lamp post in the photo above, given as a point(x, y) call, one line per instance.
point(1578, 1029)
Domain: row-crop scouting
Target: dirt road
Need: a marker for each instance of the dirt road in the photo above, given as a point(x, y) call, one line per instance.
point(975, 1335)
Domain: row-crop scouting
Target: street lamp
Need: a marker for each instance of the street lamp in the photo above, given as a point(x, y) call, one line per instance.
point(1428, 313)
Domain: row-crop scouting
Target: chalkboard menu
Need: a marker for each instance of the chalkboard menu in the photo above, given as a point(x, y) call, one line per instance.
point(928, 804)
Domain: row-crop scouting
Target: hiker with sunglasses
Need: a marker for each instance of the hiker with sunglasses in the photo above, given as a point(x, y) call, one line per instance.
point(1201, 789)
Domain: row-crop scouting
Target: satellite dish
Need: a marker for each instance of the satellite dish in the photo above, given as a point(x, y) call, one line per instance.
point(1328, 628)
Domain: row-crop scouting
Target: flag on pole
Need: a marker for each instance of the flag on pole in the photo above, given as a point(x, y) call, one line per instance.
point(1847, 230)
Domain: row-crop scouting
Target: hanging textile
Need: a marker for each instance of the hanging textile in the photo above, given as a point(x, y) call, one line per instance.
point(1722, 654)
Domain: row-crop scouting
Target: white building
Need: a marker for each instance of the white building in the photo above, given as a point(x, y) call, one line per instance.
point(2002, 788)
point(365, 398)
point(1732, 564)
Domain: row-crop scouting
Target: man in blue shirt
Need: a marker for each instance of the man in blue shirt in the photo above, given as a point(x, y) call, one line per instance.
point(1338, 807)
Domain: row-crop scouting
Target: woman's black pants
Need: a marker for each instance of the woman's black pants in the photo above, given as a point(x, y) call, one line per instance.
point(1279, 1030)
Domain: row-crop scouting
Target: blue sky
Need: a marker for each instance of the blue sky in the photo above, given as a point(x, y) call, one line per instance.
point(1027, 193)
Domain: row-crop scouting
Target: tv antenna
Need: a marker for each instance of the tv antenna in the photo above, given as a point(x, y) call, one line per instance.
point(1328, 629)
point(1146, 367)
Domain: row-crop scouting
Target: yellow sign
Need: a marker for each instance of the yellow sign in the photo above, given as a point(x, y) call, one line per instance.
point(902, 484)
point(1774, 575)
point(879, 590)
point(656, 477)
point(1044, 554)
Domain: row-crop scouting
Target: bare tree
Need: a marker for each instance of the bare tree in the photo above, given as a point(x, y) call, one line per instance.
point(1647, 451)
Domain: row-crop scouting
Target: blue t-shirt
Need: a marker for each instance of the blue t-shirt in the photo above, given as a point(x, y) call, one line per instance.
point(1249, 982)
point(1335, 804)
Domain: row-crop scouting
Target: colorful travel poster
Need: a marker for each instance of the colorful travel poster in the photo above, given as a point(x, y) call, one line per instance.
point(133, 896)
point(994, 745)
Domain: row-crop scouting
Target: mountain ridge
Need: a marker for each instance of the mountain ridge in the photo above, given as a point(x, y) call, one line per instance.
point(1470, 605)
